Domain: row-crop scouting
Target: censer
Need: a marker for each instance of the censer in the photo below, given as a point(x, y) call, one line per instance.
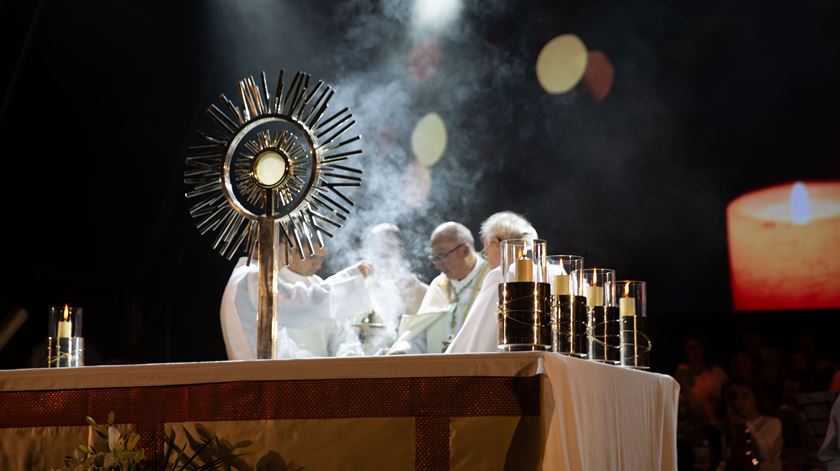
point(272, 168)
point(524, 314)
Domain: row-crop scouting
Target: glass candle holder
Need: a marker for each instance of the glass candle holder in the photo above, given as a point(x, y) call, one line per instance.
point(599, 286)
point(635, 344)
point(523, 260)
point(602, 315)
point(524, 322)
point(565, 273)
point(65, 345)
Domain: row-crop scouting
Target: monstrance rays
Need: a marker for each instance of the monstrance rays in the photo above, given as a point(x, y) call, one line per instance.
point(285, 147)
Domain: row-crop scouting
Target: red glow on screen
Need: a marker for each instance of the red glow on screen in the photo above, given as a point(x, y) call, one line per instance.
point(784, 247)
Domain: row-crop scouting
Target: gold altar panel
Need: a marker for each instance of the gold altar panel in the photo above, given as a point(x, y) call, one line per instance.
point(489, 443)
point(365, 443)
point(41, 447)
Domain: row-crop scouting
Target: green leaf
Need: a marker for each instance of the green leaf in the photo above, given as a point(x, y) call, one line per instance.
point(203, 432)
point(111, 416)
point(170, 442)
point(225, 445)
point(90, 421)
point(199, 450)
point(133, 439)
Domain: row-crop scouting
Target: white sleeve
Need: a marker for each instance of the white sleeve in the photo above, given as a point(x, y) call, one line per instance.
point(300, 306)
point(343, 341)
point(340, 296)
point(413, 345)
point(349, 294)
point(479, 332)
point(238, 315)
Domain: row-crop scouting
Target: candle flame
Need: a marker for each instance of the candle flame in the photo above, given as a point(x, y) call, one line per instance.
point(800, 204)
point(595, 277)
point(66, 313)
point(627, 289)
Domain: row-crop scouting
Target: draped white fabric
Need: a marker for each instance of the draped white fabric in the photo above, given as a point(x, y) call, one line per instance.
point(593, 416)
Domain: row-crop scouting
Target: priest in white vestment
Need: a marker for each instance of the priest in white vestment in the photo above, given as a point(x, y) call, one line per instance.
point(395, 291)
point(450, 294)
point(479, 333)
point(305, 302)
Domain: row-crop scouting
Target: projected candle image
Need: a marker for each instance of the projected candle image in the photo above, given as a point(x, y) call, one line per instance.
point(784, 247)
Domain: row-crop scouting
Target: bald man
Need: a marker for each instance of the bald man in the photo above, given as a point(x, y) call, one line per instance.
point(450, 295)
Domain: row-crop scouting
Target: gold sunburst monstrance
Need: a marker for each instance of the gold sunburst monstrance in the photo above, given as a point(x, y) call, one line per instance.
point(271, 169)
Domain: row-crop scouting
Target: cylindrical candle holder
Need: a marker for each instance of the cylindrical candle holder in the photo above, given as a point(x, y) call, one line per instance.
point(568, 330)
point(523, 260)
point(524, 314)
point(635, 344)
point(602, 315)
point(65, 345)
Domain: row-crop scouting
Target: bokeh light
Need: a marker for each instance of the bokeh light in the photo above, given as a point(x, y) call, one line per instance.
point(561, 63)
point(428, 140)
point(435, 14)
point(599, 75)
point(416, 185)
point(424, 59)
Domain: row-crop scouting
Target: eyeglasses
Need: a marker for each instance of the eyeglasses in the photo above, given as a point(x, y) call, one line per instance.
point(483, 253)
point(437, 258)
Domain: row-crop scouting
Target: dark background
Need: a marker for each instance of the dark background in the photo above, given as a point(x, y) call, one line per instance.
point(710, 100)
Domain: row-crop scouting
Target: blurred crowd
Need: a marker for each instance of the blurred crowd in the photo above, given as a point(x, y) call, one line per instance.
point(766, 409)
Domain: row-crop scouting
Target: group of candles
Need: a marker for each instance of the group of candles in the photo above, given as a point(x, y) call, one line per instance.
point(598, 307)
point(567, 275)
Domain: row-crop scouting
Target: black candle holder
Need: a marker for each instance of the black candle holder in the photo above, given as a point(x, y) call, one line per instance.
point(635, 344)
point(525, 314)
point(569, 329)
point(604, 341)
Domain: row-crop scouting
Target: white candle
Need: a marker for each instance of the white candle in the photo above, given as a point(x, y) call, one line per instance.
point(595, 296)
point(65, 326)
point(561, 285)
point(627, 306)
point(524, 269)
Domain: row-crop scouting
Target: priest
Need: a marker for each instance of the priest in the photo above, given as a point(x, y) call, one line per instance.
point(479, 331)
point(313, 309)
point(395, 290)
point(449, 296)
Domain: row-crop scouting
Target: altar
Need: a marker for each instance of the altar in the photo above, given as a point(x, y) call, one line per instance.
point(423, 412)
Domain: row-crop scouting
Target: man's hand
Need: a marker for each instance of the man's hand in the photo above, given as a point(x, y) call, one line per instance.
point(366, 268)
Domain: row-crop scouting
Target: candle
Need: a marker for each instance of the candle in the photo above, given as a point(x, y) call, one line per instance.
point(595, 296)
point(594, 293)
point(560, 286)
point(627, 303)
point(65, 326)
point(524, 269)
point(784, 247)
